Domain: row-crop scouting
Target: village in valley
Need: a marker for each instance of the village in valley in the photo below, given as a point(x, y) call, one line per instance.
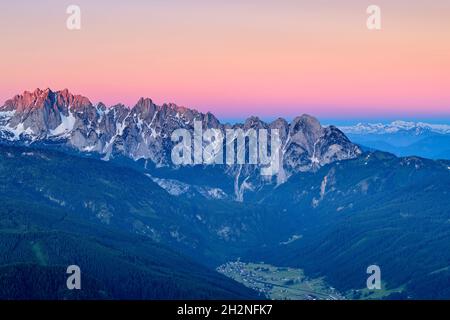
point(279, 283)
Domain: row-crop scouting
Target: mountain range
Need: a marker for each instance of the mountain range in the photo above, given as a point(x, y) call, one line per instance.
point(103, 176)
point(44, 117)
point(403, 138)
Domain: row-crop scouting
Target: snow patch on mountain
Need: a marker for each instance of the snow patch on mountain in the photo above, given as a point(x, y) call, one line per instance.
point(67, 124)
point(293, 238)
point(173, 187)
point(7, 114)
point(18, 131)
point(178, 188)
point(212, 193)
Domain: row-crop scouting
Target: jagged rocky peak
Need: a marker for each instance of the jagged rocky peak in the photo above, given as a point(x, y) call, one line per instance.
point(254, 123)
point(145, 108)
point(27, 100)
point(282, 126)
point(145, 105)
point(308, 126)
point(40, 112)
point(211, 121)
point(279, 123)
point(38, 99)
point(310, 146)
point(77, 102)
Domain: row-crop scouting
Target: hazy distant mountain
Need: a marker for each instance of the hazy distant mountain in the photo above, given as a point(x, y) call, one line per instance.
point(403, 138)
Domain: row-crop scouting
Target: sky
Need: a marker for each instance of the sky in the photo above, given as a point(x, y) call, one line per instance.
point(237, 58)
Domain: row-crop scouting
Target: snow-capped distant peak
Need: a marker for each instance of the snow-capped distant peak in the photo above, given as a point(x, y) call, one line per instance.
point(395, 126)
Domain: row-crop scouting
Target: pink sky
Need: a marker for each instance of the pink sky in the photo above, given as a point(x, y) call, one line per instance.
point(236, 58)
